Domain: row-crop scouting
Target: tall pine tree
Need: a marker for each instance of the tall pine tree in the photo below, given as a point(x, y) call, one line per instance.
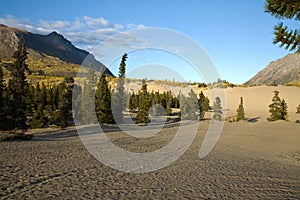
point(64, 113)
point(119, 97)
point(144, 105)
point(217, 109)
point(88, 94)
point(17, 90)
point(103, 102)
point(203, 105)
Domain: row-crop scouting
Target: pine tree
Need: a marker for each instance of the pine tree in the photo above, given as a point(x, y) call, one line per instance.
point(203, 105)
point(189, 106)
point(39, 120)
point(278, 108)
point(119, 98)
point(217, 109)
point(169, 103)
point(298, 109)
point(240, 111)
point(285, 9)
point(133, 101)
point(284, 111)
point(144, 105)
point(30, 101)
point(64, 113)
point(103, 102)
point(88, 94)
point(17, 90)
point(275, 107)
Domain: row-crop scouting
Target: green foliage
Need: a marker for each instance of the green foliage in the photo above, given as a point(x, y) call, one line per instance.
point(298, 109)
point(26, 105)
point(63, 114)
point(189, 106)
point(39, 120)
point(103, 102)
point(119, 97)
point(285, 9)
point(133, 102)
point(17, 90)
point(144, 105)
point(284, 111)
point(202, 85)
point(217, 109)
point(240, 111)
point(278, 108)
point(168, 103)
point(87, 98)
point(203, 105)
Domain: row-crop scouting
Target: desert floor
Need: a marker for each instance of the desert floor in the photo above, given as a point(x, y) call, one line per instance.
point(251, 160)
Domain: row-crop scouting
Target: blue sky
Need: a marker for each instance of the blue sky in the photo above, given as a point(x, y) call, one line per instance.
point(237, 35)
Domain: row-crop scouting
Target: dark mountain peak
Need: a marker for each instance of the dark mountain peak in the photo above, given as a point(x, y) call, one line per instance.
point(53, 33)
point(53, 44)
point(56, 35)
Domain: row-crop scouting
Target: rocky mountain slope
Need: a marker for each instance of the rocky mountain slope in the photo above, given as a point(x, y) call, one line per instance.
point(41, 47)
point(279, 72)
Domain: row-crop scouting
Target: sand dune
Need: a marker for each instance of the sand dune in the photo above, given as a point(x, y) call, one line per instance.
point(258, 160)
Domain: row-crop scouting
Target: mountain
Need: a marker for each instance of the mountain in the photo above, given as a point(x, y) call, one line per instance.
point(280, 72)
point(53, 45)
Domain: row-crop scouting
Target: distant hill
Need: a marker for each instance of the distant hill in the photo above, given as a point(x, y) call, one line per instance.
point(41, 47)
point(280, 72)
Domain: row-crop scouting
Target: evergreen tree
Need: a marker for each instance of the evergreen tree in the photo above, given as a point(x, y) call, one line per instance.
point(298, 109)
point(275, 107)
point(64, 113)
point(203, 107)
point(240, 111)
point(39, 120)
point(285, 9)
point(144, 105)
point(17, 90)
point(133, 102)
point(169, 103)
point(278, 108)
point(284, 111)
point(30, 101)
point(189, 106)
point(119, 98)
point(103, 102)
point(217, 109)
point(88, 94)
point(175, 102)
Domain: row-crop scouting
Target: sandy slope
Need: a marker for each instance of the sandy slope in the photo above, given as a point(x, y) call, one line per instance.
point(256, 99)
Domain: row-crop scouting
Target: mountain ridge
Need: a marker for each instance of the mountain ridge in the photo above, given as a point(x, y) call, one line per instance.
point(282, 71)
point(52, 44)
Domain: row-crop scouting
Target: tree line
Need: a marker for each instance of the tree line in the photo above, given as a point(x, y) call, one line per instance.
point(24, 105)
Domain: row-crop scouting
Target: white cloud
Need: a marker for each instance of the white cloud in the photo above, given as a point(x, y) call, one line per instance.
point(96, 22)
point(84, 32)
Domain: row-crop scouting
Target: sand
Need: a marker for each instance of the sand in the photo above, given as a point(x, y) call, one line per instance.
point(258, 160)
